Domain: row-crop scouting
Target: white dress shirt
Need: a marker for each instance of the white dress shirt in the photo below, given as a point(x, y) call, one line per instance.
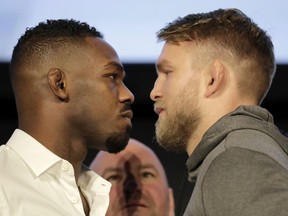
point(34, 181)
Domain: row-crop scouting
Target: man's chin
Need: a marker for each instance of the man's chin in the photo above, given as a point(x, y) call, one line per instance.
point(116, 142)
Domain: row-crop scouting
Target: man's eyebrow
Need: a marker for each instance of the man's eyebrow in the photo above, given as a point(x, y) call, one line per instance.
point(148, 166)
point(114, 64)
point(111, 169)
point(160, 65)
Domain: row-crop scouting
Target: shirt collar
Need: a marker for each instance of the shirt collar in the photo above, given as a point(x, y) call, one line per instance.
point(91, 181)
point(37, 157)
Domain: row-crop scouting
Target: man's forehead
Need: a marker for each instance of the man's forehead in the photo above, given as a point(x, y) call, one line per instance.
point(135, 159)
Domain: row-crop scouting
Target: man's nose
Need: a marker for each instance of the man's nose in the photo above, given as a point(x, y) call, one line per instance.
point(156, 91)
point(126, 95)
point(131, 186)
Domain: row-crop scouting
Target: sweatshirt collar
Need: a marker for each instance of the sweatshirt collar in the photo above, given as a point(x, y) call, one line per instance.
point(246, 117)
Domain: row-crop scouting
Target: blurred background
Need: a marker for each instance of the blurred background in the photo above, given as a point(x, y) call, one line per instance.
point(130, 27)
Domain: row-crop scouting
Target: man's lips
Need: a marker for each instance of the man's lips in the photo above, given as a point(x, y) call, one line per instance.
point(158, 110)
point(127, 114)
point(135, 205)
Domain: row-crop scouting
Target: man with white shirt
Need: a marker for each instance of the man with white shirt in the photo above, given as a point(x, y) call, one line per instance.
point(70, 96)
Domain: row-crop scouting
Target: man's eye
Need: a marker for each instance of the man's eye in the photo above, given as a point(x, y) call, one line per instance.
point(166, 71)
point(113, 76)
point(113, 178)
point(148, 175)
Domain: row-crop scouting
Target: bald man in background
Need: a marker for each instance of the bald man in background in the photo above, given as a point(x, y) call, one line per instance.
point(139, 182)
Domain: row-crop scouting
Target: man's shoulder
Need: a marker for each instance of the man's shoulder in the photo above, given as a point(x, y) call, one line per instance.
point(258, 141)
point(242, 152)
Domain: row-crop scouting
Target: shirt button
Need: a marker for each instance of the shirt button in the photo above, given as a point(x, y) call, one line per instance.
point(74, 200)
point(65, 167)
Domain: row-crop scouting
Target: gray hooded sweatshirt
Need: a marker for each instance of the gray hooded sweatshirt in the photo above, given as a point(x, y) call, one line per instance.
point(240, 167)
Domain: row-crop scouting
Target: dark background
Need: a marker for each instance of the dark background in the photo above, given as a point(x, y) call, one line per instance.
point(140, 80)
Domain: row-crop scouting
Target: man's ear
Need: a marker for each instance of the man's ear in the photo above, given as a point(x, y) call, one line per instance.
point(216, 78)
point(57, 82)
point(171, 203)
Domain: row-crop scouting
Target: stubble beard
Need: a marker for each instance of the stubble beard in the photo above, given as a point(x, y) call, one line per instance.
point(117, 142)
point(179, 122)
point(173, 132)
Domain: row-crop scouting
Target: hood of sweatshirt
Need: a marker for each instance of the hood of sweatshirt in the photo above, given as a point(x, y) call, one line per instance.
point(244, 117)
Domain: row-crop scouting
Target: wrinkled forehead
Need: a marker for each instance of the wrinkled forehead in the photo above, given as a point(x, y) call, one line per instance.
point(135, 157)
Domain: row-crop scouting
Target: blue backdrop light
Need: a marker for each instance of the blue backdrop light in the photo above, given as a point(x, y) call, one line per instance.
point(130, 26)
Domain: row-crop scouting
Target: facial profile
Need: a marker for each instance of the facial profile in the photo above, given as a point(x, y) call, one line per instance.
point(178, 110)
point(139, 183)
point(78, 74)
point(100, 96)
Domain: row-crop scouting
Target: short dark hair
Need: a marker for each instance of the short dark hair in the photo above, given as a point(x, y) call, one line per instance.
point(48, 38)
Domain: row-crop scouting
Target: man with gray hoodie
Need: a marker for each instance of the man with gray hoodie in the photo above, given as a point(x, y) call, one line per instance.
point(214, 71)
